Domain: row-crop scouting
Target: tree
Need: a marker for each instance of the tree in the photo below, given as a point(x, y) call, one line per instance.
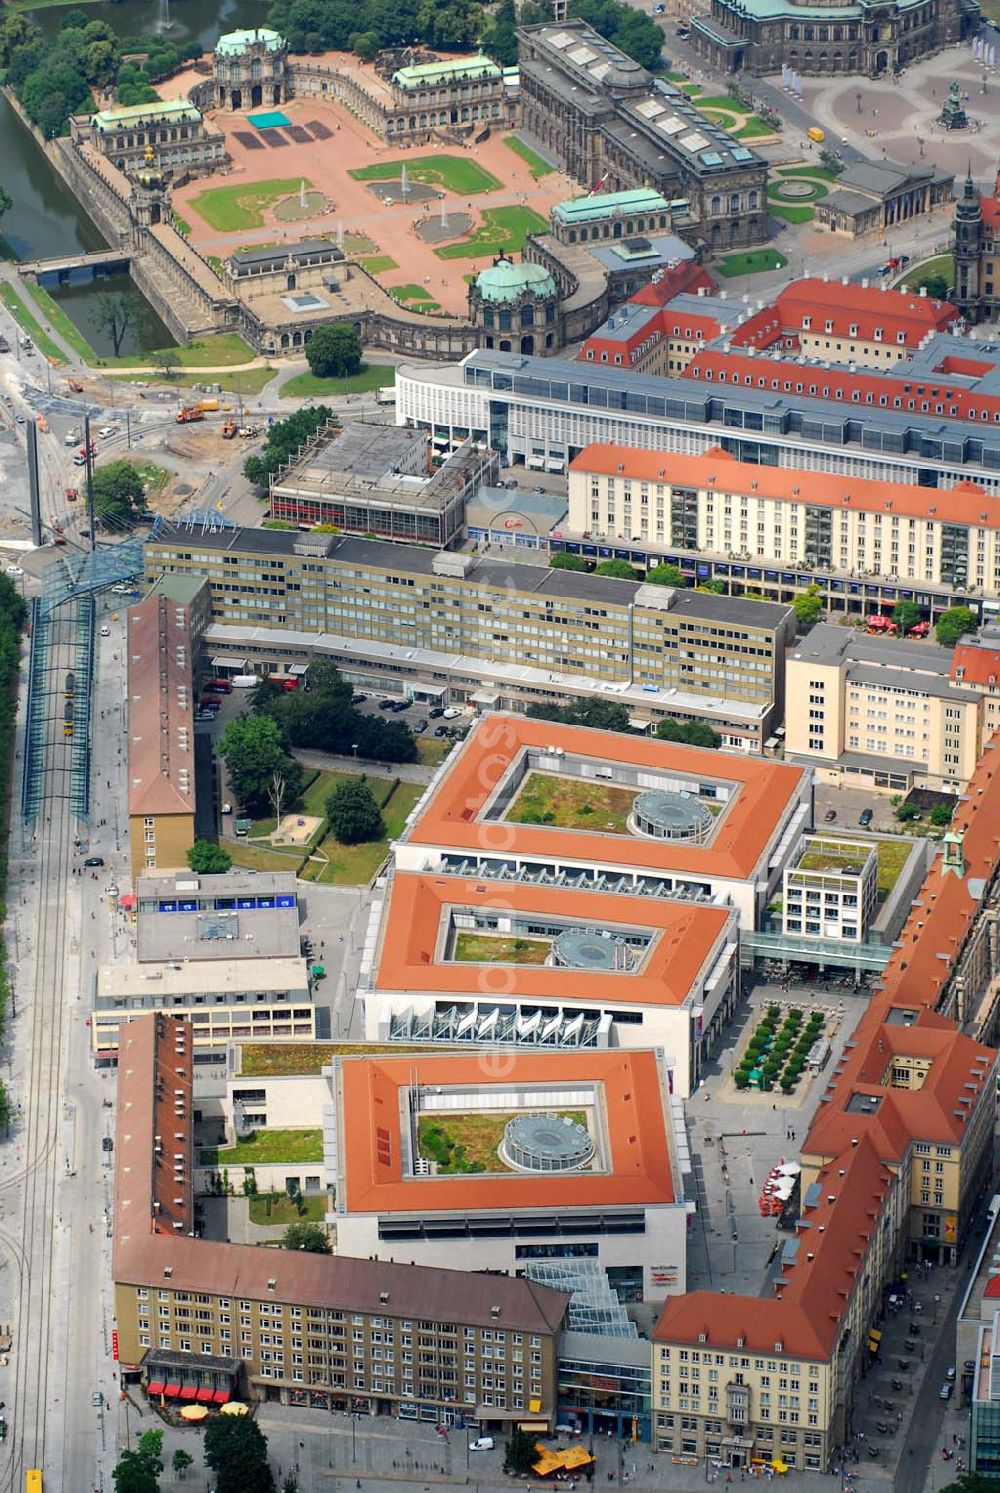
point(167, 360)
point(600, 715)
point(562, 561)
point(498, 38)
point(309, 1237)
point(181, 1461)
point(952, 624)
point(208, 859)
point(941, 814)
point(666, 575)
point(118, 492)
point(17, 33)
point(236, 1451)
point(323, 718)
point(519, 1453)
point(906, 615)
point(807, 606)
point(906, 813)
point(134, 1475)
point(284, 439)
point(621, 570)
point(334, 351)
point(936, 285)
point(353, 814)
point(691, 733)
point(254, 748)
point(114, 313)
point(973, 1482)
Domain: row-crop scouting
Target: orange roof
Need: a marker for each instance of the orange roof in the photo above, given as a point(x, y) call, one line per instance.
point(861, 306)
point(636, 1132)
point(766, 790)
point(811, 1293)
point(717, 471)
point(685, 935)
point(687, 276)
point(978, 665)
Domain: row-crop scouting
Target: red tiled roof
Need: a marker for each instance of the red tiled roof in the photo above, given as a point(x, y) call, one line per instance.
point(639, 1166)
point(977, 665)
point(845, 306)
point(688, 276)
point(160, 710)
point(684, 936)
point(451, 818)
point(718, 471)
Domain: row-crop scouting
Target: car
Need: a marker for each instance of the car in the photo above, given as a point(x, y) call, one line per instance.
point(122, 590)
point(659, 10)
point(451, 713)
point(227, 808)
point(949, 1374)
point(946, 1391)
point(94, 860)
point(482, 1444)
point(683, 32)
point(387, 705)
point(13, 570)
point(85, 533)
point(418, 727)
point(107, 430)
point(436, 713)
point(969, 1366)
point(399, 705)
point(829, 816)
point(105, 631)
point(441, 731)
point(20, 419)
point(865, 817)
point(358, 699)
point(97, 1399)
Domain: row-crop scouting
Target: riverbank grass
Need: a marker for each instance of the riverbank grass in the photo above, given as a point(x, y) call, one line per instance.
point(60, 322)
point(222, 350)
point(30, 325)
point(228, 209)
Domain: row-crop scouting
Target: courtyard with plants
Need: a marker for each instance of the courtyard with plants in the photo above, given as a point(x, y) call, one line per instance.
point(571, 803)
point(464, 1144)
point(776, 1054)
point(485, 948)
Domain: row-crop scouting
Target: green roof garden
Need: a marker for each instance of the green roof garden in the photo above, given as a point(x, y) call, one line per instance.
point(430, 74)
point(609, 205)
point(842, 858)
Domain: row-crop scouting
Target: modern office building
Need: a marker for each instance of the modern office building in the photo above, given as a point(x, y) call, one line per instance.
point(830, 890)
point(236, 916)
point(159, 744)
point(457, 960)
point(880, 713)
point(612, 126)
point(404, 619)
point(367, 479)
point(668, 820)
point(895, 1166)
point(545, 1156)
point(761, 37)
point(203, 1321)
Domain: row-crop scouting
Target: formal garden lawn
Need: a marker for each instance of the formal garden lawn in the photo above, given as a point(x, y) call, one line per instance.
point(751, 262)
point(227, 209)
point(503, 230)
point(569, 803)
point(221, 350)
point(539, 167)
point(463, 177)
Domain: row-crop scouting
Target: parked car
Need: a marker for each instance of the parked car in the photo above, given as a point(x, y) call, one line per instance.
point(436, 713)
point(950, 1374)
point(482, 1444)
point(94, 860)
point(946, 1391)
point(829, 816)
point(399, 705)
point(358, 699)
point(451, 713)
point(418, 727)
point(105, 631)
point(13, 570)
point(441, 731)
point(865, 817)
point(387, 705)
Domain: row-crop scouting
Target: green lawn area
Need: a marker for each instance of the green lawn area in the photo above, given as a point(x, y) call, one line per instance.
point(355, 865)
point(256, 859)
point(29, 324)
point(278, 1208)
point(570, 803)
point(503, 228)
point(941, 264)
point(378, 264)
point(250, 381)
point(318, 787)
point(474, 1137)
point(534, 160)
point(410, 292)
point(754, 128)
point(57, 318)
point(433, 749)
point(822, 173)
point(375, 376)
point(267, 1145)
point(268, 1059)
point(221, 350)
point(790, 214)
point(829, 858)
point(724, 101)
point(227, 209)
point(485, 948)
point(751, 262)
point(454, 173)
point(892, 857)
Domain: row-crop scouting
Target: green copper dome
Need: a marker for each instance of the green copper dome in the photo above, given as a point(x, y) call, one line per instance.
point(507, 281)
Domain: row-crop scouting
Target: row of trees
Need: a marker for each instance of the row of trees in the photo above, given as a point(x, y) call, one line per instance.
point(235, 1449)
point(284, 438)
point(609, 715)
point(321, 718)
point(367, 27)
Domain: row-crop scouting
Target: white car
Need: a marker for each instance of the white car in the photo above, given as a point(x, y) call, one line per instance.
point(107, 430)
point(105, 631)
point(451, 713)
point(481, 1444)
point(13, 570)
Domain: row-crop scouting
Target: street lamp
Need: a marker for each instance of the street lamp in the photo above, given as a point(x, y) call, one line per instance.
point(354, 749)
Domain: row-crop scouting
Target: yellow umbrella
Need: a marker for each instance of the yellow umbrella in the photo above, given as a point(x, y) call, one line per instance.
point(194, 1412)
point(235, 1408)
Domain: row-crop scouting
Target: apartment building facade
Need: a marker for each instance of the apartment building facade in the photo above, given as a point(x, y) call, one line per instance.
point(491, 631)
point(882, 714)
point(195, 1317)
point(159, 710)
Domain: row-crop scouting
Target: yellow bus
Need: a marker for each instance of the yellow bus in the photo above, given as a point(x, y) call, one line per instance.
point(33, 1480)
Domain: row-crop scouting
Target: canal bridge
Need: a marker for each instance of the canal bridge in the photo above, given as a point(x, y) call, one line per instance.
point(76, 269)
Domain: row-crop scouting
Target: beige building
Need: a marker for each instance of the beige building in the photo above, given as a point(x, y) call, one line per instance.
point(715, 507)
point(830, 889)
point(160, 740)
point(203, 1321)
point(880, 713)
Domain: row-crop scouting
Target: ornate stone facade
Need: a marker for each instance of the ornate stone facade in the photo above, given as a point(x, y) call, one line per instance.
point(615, 128)
point(874, 37)
point(250, 69)
point(173, 128)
